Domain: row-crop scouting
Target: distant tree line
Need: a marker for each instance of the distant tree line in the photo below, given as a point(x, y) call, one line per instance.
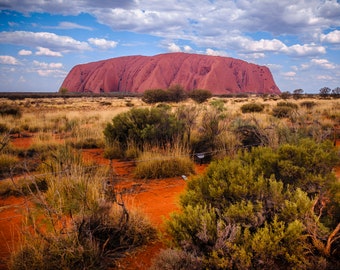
point(175, 93)
point(324, 92)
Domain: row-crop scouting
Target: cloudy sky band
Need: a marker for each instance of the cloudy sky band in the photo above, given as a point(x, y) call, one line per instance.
point(298, 40)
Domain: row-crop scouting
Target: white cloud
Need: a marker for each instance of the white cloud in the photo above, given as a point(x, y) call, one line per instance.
point(64, 7)
point(331, 37)
point(47, 52)
point(49, 69)
point(71, 25)
point(47, 65)
point(215, 52)
point(8, 60)
point(289, 74)
point(187, 49)
point(172, 47)
point(43, 39)
point(304, 50)
point(324, 63)
point(103, 43)
point(51, 73)
point(24, 52)
point(324, 77)
point(264, 45)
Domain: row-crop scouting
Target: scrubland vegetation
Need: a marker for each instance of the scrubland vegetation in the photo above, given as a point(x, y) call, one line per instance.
point(268, 200)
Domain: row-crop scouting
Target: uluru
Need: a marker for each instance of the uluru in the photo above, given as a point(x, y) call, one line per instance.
point(135, 74)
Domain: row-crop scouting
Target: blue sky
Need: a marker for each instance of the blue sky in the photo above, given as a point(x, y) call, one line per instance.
point(41, 40)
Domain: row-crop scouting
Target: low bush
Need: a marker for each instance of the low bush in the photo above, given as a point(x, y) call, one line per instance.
point(87, 143)
point(152, 166)
point(287, 104)
point(282, 111)
point(252, 107)
point(169, 259)
point(308, 104)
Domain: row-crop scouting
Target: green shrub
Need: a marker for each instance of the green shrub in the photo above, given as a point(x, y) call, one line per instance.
point(176, 93)
point(155, 126)
point(252, 107)
point(155, 95)
point(200, 95)
point(257, 211)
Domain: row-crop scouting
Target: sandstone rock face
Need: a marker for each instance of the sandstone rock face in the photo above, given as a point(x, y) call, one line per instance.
point(135, 74)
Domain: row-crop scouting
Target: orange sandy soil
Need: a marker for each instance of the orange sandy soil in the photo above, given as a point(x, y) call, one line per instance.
point(156, 198)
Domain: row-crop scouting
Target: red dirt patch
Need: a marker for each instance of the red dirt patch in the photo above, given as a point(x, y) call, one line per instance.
point(10, 224)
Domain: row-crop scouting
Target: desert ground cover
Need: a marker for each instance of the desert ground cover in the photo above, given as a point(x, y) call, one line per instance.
point(91, 153)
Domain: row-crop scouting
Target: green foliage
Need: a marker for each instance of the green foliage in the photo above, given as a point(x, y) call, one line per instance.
point(200, 95)
point(143, 127)
point(63, 90)
point(174, 93)
point(252, 107)
point(155, 95)
point(261, 205)
point(218, 104)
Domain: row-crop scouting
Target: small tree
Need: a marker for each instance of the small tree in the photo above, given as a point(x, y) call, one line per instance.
point(200, 95)
point(336, 92)
point(286, 95)
point(297, 93)
point(324, 92)
point(176, 93)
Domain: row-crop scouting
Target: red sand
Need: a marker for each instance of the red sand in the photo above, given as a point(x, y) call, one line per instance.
point(156, 198)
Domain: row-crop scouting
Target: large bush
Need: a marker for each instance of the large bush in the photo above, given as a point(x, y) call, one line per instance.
point(155, 95)
point(265, 209)
point(200, 95)
point(174, 93)
point(141, 127)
